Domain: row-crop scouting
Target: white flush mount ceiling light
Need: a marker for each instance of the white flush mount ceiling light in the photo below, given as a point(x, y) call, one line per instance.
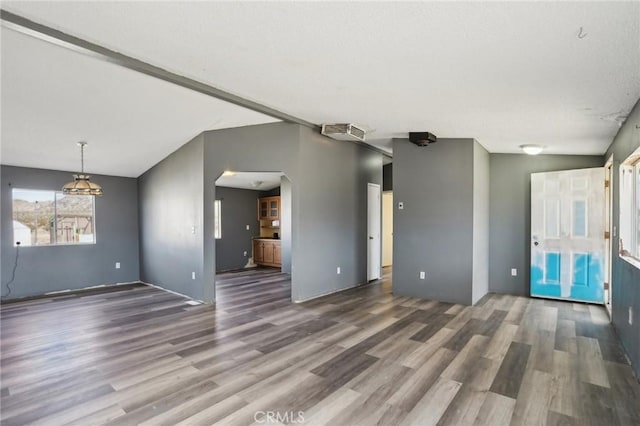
point(531, 149)
point(81, 184)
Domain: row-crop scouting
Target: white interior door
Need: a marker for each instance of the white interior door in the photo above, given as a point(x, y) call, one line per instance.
point(373, 232)
point(567, 234)
point(387, 228)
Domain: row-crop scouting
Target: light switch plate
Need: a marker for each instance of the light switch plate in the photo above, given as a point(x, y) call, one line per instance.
point(514, 272)
point(422, 275)
point(400, 205)
point(338, 270)
point(117, 265)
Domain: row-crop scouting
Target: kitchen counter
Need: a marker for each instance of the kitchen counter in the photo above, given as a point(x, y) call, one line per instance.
point(267, 251)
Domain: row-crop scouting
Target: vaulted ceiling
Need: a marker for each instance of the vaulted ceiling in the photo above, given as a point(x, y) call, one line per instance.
point(559, 74)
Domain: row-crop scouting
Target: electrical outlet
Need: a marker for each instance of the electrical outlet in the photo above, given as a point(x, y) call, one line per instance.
point(193, 229)
point(247, 230)
point(630, 315)
point(514, 272)
point(422, 275)
point(338, 270)
point(245, 254)
point(193, 275)
point(117, 265)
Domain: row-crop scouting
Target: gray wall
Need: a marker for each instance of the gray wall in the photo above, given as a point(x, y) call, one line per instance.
point(332, 227)
point(171, 222)
point(434, 231)
point(328, 198)
point(239, 209)
point(270, 193)
point(480, 222)
point(625, 277)
point(54, 268)
point(510, 213)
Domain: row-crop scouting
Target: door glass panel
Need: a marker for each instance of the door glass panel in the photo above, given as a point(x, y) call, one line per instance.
point(579, 218)
point(552, 267)
point(552, 218)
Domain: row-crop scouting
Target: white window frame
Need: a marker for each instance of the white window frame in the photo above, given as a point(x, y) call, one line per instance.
point(217, 219)
point(55, 242)
point(629, 243)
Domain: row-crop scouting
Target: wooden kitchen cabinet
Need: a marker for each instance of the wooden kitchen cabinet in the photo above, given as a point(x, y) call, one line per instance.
point(277, 254)
point(269, 208)
point(268, 248)
point(267, 252)
point(258, 251)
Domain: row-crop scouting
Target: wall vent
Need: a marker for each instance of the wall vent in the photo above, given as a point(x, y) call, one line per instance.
point(343, 132)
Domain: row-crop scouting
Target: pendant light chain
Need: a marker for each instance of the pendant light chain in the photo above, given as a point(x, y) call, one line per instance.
point(82, 145)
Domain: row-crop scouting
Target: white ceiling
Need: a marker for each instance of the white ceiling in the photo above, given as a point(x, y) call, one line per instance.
point(506, 73)
point(53, 97)
point(257, 181)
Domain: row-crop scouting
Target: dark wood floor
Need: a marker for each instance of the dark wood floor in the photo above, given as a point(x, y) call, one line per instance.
point(138, 355)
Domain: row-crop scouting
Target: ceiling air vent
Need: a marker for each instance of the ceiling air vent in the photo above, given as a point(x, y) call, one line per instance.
point(343, 132)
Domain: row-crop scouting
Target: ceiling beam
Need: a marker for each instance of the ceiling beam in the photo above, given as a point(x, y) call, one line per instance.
point(77, 44)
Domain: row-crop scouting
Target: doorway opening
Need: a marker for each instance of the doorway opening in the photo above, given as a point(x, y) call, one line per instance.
point(252, 227)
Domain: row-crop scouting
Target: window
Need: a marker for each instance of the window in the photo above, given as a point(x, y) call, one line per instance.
point(630, 206)
point(42, 218)
point(217, 219)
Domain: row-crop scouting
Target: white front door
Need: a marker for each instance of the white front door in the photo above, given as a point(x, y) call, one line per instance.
point(373, 232)
point(567, 234)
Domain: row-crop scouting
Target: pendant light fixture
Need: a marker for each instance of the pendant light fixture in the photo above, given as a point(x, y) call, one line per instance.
point(81, 184)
